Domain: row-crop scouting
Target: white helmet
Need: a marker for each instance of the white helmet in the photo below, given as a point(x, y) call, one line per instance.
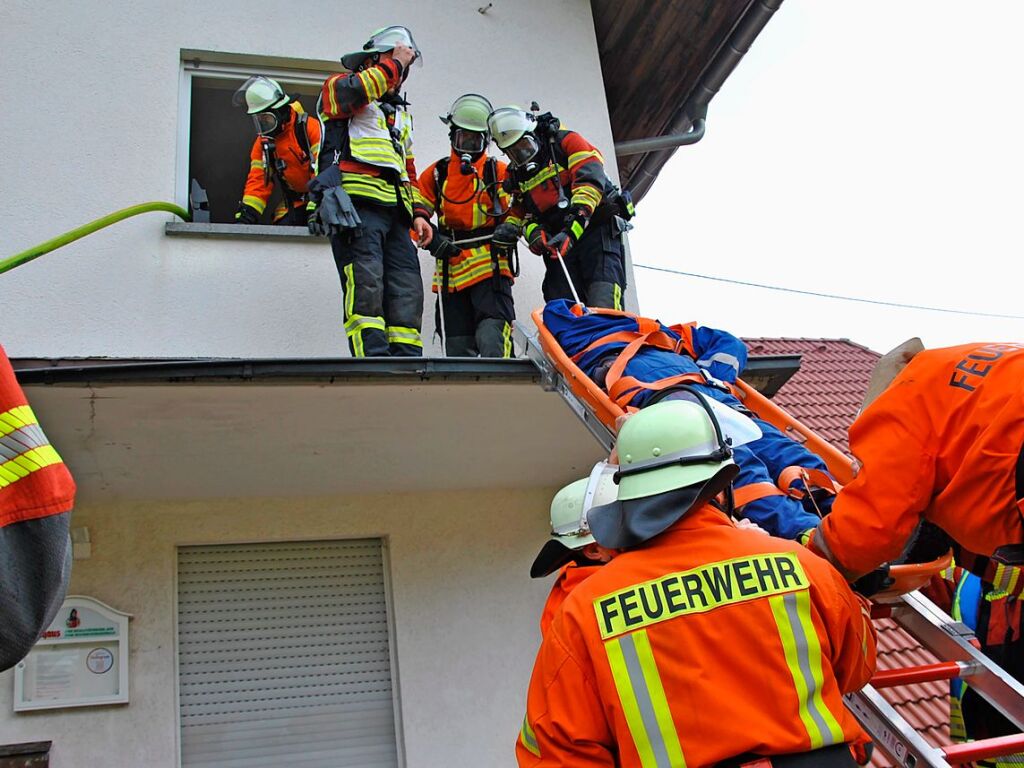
point(508, 124)
point(383, 40)
point(259, 93)
point(570, 530)
point(467, 123)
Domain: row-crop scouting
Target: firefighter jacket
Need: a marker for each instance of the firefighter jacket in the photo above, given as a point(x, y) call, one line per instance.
point(569, 577)
point(368, 134)
point(36, 496)
point(943, 443)
point(295, 150)
point(704, 643)
point(579, 168)
point(461, 202)
point(771, 485)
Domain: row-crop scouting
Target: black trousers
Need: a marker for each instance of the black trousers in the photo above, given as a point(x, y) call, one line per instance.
point(478, 319)
point(381, 284)
point(597, 265)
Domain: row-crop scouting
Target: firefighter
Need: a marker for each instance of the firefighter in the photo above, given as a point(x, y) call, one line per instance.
point(571, 550)
point(286, 146)
point(566, 206)
point(36, 496)
point(944, 444)
point(363, 196)
point(473, 280)
point(699, 644)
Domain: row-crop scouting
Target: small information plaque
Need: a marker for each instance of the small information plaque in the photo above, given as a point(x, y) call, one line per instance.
point(81, 660)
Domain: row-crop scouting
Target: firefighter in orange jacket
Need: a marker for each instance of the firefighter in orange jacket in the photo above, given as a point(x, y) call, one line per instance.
point(699, 644)
point(36, 496)
point(566, 206)
point(283, 154)
point(571, 550)
point(472, 279)
point(942, 444)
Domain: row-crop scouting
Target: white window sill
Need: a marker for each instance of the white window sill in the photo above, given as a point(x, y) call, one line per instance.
point(241, 232)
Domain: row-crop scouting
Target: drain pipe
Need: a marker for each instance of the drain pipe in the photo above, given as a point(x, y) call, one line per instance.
point(694, 111)
point(643, 146)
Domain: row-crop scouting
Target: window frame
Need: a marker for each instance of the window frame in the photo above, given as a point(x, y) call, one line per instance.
point(238, 67)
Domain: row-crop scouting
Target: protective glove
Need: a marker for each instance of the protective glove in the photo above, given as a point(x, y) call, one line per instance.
point(440, 247)
point(558, 245)
point(505, 236)
point(536, 238)
point(246, 214)
point(876, 581)
point(335, 215)
point(330, 177)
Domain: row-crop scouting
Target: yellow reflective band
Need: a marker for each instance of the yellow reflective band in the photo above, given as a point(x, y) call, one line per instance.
point(528, 738)
point(577, 229)
point(515, 221)
point(332, 101)
point(399, 335)
point(643, 700)
point(257, 164)
point(506, 336)
point(255, 202)
point(27, 463)
point(1007, 578)
point(581, 157)
point(16, 418)
point(587, 196)
point(539, 178)
point(617, 296)
point(370, 187)
point(698, 591)
point(802, 648)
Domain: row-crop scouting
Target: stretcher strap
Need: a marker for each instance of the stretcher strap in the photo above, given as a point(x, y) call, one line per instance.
point(626, 387)
point(745, 494)
point(813, 478)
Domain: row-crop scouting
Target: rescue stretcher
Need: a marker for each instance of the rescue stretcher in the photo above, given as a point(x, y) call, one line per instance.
point(909, 609)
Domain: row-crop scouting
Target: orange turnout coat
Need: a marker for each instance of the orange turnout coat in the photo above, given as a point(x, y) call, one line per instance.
point(705, 643)
point(942, 443)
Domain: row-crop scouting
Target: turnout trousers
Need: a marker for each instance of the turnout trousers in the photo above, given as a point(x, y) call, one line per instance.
point(597, 265)
point(478, 319)
point(381, 284)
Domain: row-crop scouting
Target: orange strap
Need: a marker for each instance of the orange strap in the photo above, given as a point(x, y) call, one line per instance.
point(752, 492)
point(813, 478)
point(627, 386)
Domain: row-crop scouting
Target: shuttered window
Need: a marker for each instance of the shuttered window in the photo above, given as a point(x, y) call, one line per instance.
point(283, 655)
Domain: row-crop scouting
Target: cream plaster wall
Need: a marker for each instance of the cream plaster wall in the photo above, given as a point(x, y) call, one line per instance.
point(91, 124)
point(465, 614)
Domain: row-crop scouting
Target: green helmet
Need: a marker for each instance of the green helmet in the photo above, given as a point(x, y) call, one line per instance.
point(673, 456)
point(259, 94)
point(570, 530)
point(470, 112)
point(381, 41)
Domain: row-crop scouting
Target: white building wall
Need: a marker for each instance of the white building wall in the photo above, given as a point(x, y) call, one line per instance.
point(465, 613)
point(91, 124)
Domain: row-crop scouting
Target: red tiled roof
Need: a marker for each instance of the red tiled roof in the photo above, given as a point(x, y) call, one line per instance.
point(827, 391)
point(825, 394)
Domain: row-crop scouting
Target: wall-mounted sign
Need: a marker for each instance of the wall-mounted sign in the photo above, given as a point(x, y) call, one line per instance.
point(81, 660)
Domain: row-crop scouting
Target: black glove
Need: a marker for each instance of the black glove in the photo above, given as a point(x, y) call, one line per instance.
point(330, 177)
point(876, 581)
point(505, 236)
point(335, 215)
point(536, 239)
point(246, 214)
point(558, 245)
point(576, 223)
point(442, 248)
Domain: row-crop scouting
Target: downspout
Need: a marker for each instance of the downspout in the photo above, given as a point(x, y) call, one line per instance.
point(688, 126)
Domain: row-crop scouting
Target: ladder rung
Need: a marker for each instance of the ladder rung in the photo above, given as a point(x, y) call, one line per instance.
point(1000, 746)
point(927, 673)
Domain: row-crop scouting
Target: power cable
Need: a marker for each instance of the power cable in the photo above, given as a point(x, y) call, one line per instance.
point(828, 295)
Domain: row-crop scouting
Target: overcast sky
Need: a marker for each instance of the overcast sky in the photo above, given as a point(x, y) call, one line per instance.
point(869, 148)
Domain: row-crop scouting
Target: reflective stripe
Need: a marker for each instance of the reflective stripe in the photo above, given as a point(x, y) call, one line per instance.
point(1007, 579)
point(400, 335)
point(255, 202)
point(540, 178)
point(577, 229)
point(643, 700)
point(371, 187)
point(16, 418)
point(506, 335)
point(528, 738)
point(586, 195)
point(257, 164)
point(802, 647)
point(720, 357)
point(617, 296)
point(27, 463)
point(581, 157)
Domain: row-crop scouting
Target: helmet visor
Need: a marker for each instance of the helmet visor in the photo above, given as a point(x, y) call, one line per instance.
point(266, 123)
point(259, 93)
point(468, 142)
point(386, 39)
point(524, 150)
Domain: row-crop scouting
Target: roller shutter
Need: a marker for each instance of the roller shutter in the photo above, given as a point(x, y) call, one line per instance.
point(283, 655)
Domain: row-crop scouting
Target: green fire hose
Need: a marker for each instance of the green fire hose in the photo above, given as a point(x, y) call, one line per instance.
point(87, 229)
